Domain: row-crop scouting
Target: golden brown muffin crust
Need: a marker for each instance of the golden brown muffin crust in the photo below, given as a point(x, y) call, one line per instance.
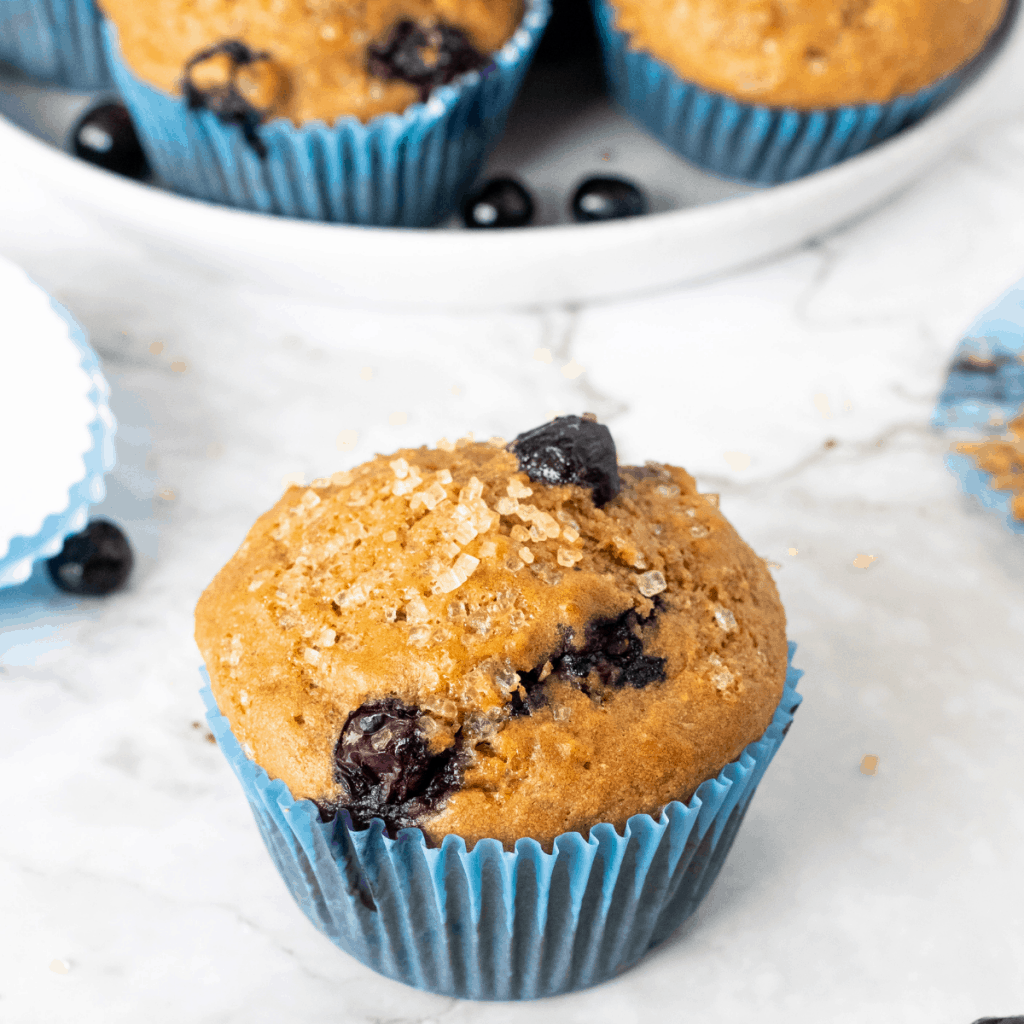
point(318, 48)
point(434, 576)
point(811, 53)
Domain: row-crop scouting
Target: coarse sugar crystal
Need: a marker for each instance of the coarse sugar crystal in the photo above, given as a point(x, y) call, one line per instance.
point(651, 583)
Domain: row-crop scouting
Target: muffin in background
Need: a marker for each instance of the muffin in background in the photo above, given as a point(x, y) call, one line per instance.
point(769, 93)
point(381, 114)
point(54, 41)
point(435, 673)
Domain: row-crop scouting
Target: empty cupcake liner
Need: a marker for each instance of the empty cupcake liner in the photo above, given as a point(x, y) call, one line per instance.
point(16, 565)
point(978, 484)
point(494, 924)
point(56, 41)
point(766, 145)
point(408, 169)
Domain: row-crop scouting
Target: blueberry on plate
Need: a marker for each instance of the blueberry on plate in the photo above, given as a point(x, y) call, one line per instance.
point(105, 136)
point(498, 203)
point(607, 199)
point(93, 563)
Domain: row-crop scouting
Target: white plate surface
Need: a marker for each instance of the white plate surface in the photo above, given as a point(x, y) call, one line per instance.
point(558, 134)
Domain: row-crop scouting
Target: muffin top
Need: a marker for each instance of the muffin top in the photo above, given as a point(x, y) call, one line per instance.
point(495, 642)
point(811, 53)
point(308, 60)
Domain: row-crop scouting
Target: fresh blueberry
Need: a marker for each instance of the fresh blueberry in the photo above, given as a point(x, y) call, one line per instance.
point(424, 56)
point(607, 199)
point(499, 203)
point(105, 136)
point(93, 563)
point(571, 450)
point(388, 768)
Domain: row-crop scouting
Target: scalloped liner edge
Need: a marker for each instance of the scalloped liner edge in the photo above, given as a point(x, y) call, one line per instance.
point(23, 552)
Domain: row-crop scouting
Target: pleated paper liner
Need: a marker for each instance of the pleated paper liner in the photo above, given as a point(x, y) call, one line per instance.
point(494, 924)
point(55, 41)
point(408, 169)
point(984, 391)
point(23, 552)
point(766, 145)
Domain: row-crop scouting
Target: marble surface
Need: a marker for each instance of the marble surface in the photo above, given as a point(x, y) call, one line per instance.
point(133, 884)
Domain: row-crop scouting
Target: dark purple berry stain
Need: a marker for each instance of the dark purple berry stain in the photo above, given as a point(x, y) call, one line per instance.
point(105, 136)
point(225, 99)
point(499, 203)
point(388, 767)
point(93, 563)
point(570, 450)
point(607, 199)
point(425, 56)
point(612, 655)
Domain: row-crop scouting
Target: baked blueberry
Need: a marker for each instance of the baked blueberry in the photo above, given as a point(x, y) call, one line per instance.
point(570, 450)
point(105, 136)
point(241, 86)
point(613, 649)
point(93, 563)
point(607, 199)
point(387, 766)
point(425, 56)
point(611, 655)
point(498, 203)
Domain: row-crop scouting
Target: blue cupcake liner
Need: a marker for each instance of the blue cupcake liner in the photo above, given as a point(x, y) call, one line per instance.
point(985, 386)
point(57, 41)
point(408, 169)
point(766, 145)
point(984, 391)
point(494, 924)
point(978, 484)
point(16, 565)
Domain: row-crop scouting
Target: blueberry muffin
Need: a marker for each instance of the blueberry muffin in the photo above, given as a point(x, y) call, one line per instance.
point(495, 641)
point(378, 113)
point(308, 61)
point(769, 92)
point(817, 53)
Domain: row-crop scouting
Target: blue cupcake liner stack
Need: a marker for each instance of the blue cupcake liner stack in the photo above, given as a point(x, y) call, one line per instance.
point(408, 169)
point(494, 924)
point(765, 145)
point(56, 41)
point(23, 552)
